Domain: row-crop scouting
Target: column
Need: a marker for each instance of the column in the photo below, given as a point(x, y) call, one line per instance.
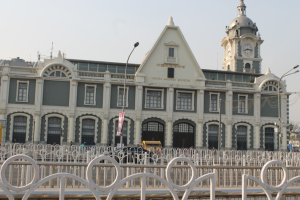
point(4, 96)
point(37, 128)
point(104, 135)
point(168, 142)
point(72, 106)
point(228, 136)
point(169, 106)
point(284, 137)
point(3, 100)
point(71, 129)
point(37, 114)
point(105, 118)
point(256, 139)
point(228, 132)
point(137, 136)
point(199, 136)
point(284, 122)
point(138, 108)
point(200, 112)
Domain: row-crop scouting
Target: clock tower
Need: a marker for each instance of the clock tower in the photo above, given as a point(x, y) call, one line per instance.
point(242, 44)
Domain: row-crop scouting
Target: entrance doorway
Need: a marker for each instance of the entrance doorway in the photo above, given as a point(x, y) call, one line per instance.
point(54, 130)
point(241, 138)
point(269, 139)
point(19, 130)
point(184, 135)
point(213, 131)
point(153, 131)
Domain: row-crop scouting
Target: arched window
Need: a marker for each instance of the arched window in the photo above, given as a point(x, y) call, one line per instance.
point(228, 67)
point(213, 131)
point(241, 138)
point(54, 130)
point(19, 130)
point(269, 139)
point(88, 131)
point(247, 66)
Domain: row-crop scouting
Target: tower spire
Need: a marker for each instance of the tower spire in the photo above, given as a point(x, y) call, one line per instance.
point(241, 9)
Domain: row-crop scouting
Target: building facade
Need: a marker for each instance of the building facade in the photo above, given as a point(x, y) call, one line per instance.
point(168, 97)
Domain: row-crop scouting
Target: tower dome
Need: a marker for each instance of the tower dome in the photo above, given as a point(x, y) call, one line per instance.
point(242, 24)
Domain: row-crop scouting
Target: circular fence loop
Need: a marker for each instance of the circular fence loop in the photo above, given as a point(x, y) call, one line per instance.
point(12, 159)
point(169, 168)
point(89, 173)
point(264, 172)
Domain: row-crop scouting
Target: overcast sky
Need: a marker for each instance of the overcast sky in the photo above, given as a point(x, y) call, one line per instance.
point(107, 30)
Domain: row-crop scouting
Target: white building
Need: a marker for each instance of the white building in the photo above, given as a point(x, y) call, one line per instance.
point(170, 98)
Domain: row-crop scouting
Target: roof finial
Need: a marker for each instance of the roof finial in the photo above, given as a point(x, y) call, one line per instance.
point(58, 55)
point(170, 22)
point(268, 71)
point(241, 8)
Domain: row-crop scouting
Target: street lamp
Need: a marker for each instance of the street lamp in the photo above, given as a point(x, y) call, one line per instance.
point(279, 107)
point(124, 91)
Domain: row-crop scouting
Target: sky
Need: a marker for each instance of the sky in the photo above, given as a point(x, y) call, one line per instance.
point(105, 30)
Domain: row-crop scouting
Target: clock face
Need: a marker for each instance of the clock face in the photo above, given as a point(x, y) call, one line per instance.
point(247, 49)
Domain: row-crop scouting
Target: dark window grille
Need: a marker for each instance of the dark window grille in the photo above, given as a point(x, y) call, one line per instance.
point(170, 72)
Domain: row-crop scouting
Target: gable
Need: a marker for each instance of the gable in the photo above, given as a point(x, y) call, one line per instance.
point(154, 68)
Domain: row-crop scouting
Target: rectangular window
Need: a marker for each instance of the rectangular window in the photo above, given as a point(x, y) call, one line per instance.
point(22, 91)
point(154, 99)
point(170, 72)
point(90, 95)
point(185, 100)
point(242, 105)
point(214, 105)
point(171, 52)
point(102, 68)
point(121, 95)
point(92, 67)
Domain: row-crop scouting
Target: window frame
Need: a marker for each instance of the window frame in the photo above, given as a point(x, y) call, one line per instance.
point(169, 52)
point(85, 94)
point(246, 103)
point(17, 95)
point(121, 88)
point(193, 97)
point(171, 70)
point(218, 106)
point(161, 101)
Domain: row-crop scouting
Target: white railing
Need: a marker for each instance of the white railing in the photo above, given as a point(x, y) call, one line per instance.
point(202, 156)
point(104, 176)
point(91, 74)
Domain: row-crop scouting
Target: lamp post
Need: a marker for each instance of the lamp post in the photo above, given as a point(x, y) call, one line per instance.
point(124, 91)
point(279, 107)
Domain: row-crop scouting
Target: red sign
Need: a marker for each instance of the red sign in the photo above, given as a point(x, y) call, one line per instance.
point(120, 123)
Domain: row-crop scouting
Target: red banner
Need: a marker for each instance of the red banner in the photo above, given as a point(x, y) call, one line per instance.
point(120, 123)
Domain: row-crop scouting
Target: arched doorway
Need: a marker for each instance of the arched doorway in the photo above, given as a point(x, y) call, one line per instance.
point(241, 138)
point(124, 133)
point(153, 131)
point(183, 135)
point(213, 141)
point(269, 139)
point(19, 129)
point(88, 131)
point(54, 130)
